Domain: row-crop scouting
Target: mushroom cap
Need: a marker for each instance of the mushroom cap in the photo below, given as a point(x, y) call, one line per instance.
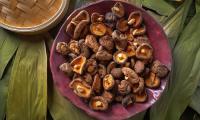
point(66, 68)
point(138, 31)
point(108, 82)
point(131, 50)
point(124, 87)
point(92, 43)
point(96, 86)
point(97, 17)
point(110, 66)
point(98, 28)
point(140, 98)
point(78, 64)
point(98, 103)
point(107, 42)
point(91, 66)
point(74, 47)
point(139, 66)
point(159, 69)
point(120, 57)
point(110, 17)
point(122, 25)
point(135, 16)
point(128, 72)
point(81, 88)
point(101, 70)
point(118, 9)
point(62, 48)
point(144, 51)
point(103, 55)
point(117, 72)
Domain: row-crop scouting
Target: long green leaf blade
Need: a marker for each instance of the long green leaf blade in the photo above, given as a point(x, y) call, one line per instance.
point(185, 76)
point(27, 93)
point(4, 91)
point(9, 44)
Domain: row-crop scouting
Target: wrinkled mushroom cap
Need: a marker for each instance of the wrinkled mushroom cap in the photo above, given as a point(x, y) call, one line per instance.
point(101, 70)
point(92, 43)
point(62, 48)
point(124, 87)
point(108, 82)
point(78, 23)
point(98, 103)
point(91, 66)
point(144, 51)
point(139, 66)
point(81, 88)
point(152, 81)
point(128, 72)
point(96, 86)
point(135, 18)
point(78, 64)
point(107, 42)
point(98, 29)
point(103, 55)
point(66, 68)
point(120, 57)
point(110, 66)
point(97, 17)
point(74, 47)
point(118, 9)
point(116, 72)
point(159, 69)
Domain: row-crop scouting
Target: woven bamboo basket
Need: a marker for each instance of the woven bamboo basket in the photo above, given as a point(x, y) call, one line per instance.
point(31, 16)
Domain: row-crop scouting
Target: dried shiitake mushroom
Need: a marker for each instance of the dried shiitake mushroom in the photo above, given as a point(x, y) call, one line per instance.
point(108, 96)
point(139, 66)
point(78, 23)
point(108, 82)
point(96, 86)
point(122, 25)
point(128, 100)
point(96, 17)
point(85, 51)
point(128, 72)
point(107, 42)
point(103, 55)
point(132, 62)
point(131, 50)
point(110, 17)
point(81, 88)
point(138, 31)
point(116, 72)
point(135, 19)
point(88, 78)
point(78, 64)
point(159, 69)
point(153, 81)
point(85, 31)
point(124, 87)
point(98, 103)
point(110, 66)
point(118, 9)
point(74, 47)
point(62, 48)
point(141, 97)
point(91, 66)
point(138, 87)
point(120, 57)
point(109, 30)
point(66, 68)
point(98, 29)
point(119, 98)
point(101, 70)
point(122, 42)
point(139, 41)
point(144, 51)
point(92, 43)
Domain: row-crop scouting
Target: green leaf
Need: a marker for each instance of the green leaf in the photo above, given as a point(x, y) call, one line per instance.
point(8, 46)
point(197, 5)
point(27, 92)
point(159, 6)
point(4, 90)
point(174, 24)
point(61, 109)
point(185, 75)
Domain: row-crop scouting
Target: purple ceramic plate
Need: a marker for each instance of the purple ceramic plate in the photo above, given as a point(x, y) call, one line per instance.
point(162, 52)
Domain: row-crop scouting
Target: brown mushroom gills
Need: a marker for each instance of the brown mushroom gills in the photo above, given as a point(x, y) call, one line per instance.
point(78, 64)
point(141, 97)
point(120, 57)
point(152, 81)
point(98, 29)
point(135, 18)
point(108, 82)
point(80, 88)
point(98, 103)
point(144, 51)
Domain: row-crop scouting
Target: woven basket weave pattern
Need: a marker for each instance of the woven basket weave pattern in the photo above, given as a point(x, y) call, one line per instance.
point(27, 13)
